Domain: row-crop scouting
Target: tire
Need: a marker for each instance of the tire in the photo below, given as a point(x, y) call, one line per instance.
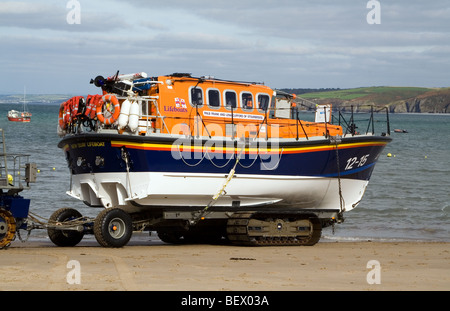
point(64, 237)
point(113, 227)
point(7, 228)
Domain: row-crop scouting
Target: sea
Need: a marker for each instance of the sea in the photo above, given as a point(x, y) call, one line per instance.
point(407, 199)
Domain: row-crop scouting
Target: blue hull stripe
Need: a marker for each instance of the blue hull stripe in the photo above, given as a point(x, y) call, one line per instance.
point(94, 154)
point(345, 173)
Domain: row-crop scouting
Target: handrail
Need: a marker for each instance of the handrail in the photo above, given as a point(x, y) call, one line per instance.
point(10, 175)
point(350, 126)
point(300, 122)
point(150, 104)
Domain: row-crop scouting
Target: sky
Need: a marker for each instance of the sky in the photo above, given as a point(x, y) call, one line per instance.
point(57, 46)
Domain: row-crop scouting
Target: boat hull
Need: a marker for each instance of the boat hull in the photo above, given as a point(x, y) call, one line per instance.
point(19, 119)
point(139, 172)
point(194, 191)
point(17, 116)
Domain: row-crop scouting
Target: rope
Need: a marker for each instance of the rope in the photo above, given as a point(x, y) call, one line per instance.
point(46, 223)
point(191, 165)
point(221, 191)
point(248, 166)
point(341, 198)
point(34, 217)
point(125, 156)
point(218, 166)
point(276, 165)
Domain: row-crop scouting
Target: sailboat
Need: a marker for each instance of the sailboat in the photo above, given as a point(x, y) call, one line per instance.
point(20, 116)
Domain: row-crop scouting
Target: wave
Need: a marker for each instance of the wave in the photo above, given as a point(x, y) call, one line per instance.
point(327, 238)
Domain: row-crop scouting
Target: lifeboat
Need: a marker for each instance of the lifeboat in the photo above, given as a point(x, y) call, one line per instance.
point(197, 157)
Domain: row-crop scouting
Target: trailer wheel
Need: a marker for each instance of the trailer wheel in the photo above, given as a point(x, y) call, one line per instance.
point(113, 227)
point(64, 237)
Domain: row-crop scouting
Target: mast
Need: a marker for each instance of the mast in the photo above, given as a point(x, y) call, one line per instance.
point(24, 105)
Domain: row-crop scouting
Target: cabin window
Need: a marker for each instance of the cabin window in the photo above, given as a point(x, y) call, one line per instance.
point(263, 102)
point(213, 98)
point(196, 96)
point(247, 101)
point(230, 99)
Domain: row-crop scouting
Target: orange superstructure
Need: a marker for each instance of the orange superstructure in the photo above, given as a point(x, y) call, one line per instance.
point(197, 107)
point(211, 107)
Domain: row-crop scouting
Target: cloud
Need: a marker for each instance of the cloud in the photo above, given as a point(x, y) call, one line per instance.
point(27, 15)
point(53, 16)
point(21, 7)
point(285, 43)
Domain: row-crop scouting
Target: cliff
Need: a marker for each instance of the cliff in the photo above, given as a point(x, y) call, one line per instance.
point(430, 102)
point(397, 99)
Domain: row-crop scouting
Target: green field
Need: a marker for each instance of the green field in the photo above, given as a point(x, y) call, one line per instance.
point(379, 94)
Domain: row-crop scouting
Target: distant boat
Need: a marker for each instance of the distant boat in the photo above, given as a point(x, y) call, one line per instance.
point(20, 116)
point(400, 131)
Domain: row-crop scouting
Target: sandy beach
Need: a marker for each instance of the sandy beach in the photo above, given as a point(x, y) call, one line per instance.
point(151, 265)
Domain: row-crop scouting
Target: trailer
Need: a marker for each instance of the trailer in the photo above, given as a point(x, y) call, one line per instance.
point(113, 227)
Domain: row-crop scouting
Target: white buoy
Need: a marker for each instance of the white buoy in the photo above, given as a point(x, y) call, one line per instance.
point(124, 114)
point(133, 120)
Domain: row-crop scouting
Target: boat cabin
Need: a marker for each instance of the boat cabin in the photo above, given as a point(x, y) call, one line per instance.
point(208, 107)
point(179, 104)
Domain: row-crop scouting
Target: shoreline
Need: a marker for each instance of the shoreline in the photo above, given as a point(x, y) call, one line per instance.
point(58, 102)
point(151, 265)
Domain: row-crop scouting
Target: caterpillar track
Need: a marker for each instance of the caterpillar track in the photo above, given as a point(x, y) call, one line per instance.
point(273, 229)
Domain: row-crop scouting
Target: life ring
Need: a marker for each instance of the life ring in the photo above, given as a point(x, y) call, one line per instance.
point(61, 115)
point(61, 123)
point(105, 100)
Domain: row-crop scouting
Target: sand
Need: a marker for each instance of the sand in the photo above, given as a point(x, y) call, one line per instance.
point(151, 265)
